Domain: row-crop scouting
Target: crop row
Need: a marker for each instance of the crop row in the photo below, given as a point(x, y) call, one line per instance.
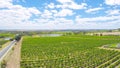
point(66, 52)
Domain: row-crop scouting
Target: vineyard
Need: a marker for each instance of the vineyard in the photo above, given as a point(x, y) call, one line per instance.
point(69, 52)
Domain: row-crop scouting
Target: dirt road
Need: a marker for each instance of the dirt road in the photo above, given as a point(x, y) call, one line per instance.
point(14, 58)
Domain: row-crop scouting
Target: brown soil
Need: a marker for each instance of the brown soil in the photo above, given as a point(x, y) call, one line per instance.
point(14, 58)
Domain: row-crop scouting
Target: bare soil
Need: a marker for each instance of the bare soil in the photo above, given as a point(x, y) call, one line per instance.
point(14, 58)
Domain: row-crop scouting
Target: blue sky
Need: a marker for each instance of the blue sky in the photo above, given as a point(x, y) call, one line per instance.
point(59, 14)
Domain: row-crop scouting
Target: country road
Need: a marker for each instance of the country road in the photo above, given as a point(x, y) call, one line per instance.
point(4, 51)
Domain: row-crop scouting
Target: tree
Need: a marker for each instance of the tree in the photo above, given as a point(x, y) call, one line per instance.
point(118, 29)
point(17, 37)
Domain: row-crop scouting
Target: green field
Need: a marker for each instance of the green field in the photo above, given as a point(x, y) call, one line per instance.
point(2, 36)
point(2, 42)
point(69, 52)
point(6, 35)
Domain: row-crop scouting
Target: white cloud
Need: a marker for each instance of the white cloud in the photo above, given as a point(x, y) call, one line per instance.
point(97, 19)
point(5, 3)
point(51, 5)
point(100, 5)
point(16, 15)
point(113, 12)
point(103, 22)
point(54, 11)
point(47, 14)
point(64, 1)
point(34, 10)
point(19, 17)
point(93, 10)
point(64, 12)
point(24, 1)
point(63, 20)
point(71, 4)
point(61, 23)
point(112, 2)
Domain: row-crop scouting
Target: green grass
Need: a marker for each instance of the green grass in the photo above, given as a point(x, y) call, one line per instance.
point(6, 35)
point(113, 45)
point(2, 42)
point(66, 52)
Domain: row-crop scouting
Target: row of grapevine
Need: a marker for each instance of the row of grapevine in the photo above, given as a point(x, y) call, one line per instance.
point(67, 52)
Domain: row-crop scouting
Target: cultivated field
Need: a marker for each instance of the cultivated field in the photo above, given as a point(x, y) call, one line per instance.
point(2, 42)
point(2, 38)
point(69, 52)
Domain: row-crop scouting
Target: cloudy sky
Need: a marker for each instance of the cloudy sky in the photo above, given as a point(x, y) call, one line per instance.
point(59, 14)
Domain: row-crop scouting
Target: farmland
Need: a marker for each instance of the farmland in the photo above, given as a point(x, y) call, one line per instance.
point(2, 42)
point(69, 52)
point(4, 36)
